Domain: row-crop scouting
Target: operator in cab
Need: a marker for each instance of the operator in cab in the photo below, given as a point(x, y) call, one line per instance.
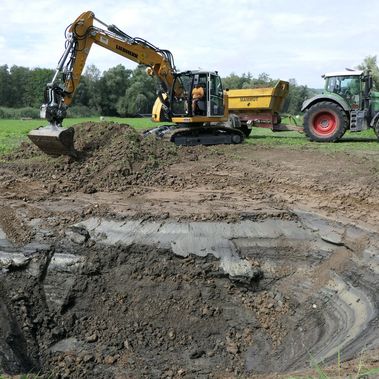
point(197, 94)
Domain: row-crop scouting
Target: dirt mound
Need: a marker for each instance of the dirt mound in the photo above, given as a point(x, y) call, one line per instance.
point(155, 315)
point(111, 157)
point(134, 312)
point(84, 307)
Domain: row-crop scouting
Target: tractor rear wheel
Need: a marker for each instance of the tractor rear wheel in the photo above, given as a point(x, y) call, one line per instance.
point(325, 122)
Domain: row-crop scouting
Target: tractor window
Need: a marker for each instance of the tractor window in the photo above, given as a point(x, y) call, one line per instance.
point(344, 85)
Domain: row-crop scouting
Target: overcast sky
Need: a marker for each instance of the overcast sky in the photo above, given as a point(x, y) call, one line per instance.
point(283, 38)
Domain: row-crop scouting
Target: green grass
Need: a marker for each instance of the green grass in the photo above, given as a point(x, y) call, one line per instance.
point(359, 371)
point(12, 132)
point(365, 140)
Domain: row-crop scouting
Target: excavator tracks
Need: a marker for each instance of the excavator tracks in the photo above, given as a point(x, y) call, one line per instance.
point(209, 135)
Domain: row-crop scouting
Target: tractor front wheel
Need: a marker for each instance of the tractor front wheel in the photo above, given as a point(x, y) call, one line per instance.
point(325, 122)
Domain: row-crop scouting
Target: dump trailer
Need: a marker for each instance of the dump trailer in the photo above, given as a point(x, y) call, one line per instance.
point(259, 107)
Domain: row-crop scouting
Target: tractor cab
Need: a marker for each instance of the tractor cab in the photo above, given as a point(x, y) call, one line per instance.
point(347, 84)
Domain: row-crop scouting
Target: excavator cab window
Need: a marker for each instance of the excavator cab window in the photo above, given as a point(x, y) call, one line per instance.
point(180, 98)
point(212, 104)
point(216, 103)
point(201, 105)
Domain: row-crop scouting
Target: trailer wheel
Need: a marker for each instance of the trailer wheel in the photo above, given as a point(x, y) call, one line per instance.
point(325, 122)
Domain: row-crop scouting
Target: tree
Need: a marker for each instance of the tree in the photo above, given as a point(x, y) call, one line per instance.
point(370, 63)
point(297, 94)
point(233, 81)
point(110, 88)
point(20, 79)
point(92, 73)
point(139, 97)
point(39, 77)
point(5, 86)
point(263, 80)
point(83, 93)
point(86, 93)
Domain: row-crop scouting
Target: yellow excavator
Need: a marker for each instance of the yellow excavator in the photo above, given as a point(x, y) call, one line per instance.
point(208, 123)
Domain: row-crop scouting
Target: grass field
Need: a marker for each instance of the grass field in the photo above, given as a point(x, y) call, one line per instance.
point(12, 132)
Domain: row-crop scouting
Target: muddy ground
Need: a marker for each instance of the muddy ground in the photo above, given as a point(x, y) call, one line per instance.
point(143, 259)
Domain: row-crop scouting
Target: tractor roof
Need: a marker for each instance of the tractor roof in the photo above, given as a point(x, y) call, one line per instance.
point(343, 73)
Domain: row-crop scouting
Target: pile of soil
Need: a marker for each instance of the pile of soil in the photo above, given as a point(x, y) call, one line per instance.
point(135, 312)
point(115, 158)
point(111, 158)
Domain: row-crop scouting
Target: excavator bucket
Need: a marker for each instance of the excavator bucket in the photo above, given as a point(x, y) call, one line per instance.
point(54, 140)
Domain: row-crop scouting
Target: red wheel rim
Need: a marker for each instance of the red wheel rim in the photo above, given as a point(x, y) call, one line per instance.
point(325, 123)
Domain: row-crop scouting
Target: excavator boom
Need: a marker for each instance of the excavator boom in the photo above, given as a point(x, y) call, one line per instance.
point(53, 139)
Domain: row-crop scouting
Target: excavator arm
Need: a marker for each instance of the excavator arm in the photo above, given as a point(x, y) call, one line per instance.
point(81, 34)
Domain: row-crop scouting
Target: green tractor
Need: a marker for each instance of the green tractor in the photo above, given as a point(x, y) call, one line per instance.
point(347, 103)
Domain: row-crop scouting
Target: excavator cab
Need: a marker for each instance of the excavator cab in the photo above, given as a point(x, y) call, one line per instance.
point(207, 123)
point(209, 106)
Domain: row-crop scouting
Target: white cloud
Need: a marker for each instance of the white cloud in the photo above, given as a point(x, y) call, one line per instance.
point(278, 37)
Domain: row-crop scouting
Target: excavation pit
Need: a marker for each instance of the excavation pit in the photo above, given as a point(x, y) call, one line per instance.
point(163, 298)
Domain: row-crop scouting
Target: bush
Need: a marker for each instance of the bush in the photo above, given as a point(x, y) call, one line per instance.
point(81, 111)
point(17, 113)
point(29, 112)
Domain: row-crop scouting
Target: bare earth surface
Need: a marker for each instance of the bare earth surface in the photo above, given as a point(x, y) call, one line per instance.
point(143, 259)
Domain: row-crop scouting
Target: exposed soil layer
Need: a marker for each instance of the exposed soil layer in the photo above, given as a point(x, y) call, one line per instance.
point(84, 296)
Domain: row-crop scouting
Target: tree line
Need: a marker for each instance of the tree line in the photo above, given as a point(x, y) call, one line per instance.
point(116, 92)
